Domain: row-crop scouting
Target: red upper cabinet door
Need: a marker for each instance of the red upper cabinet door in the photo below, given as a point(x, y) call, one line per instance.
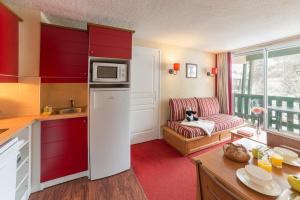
point(109, 42)
point(9, 45)
point(64, 54)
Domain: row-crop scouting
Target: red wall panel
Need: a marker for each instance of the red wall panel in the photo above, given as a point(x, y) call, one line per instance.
point(64, 148)
point(9, 44)
point(109, 43)
point(64, 54)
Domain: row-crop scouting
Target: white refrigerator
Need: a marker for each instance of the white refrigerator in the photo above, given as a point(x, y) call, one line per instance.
point(109, 137)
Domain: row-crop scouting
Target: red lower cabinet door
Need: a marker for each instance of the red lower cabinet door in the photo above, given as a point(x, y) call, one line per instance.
point(64, 148)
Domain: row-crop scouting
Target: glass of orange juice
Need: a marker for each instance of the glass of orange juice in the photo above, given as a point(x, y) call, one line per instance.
point(276, 160)
point(265, 164)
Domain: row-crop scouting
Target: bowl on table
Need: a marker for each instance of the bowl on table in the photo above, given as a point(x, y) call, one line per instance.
point(258, 175)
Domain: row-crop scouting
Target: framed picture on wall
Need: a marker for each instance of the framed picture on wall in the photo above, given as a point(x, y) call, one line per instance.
point(191, 70)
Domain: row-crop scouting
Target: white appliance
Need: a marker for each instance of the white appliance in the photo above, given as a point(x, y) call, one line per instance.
point(8, 169)
point(109, 72)
point(109, 131)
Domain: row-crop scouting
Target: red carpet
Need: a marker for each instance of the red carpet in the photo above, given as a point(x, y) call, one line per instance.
point(164, 173)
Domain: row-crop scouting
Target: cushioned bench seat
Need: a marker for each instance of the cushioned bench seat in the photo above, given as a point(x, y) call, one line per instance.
point(188, 139)
point(222, 122)
point(185, 131)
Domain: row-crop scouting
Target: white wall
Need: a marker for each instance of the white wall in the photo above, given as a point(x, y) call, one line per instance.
point(179, 85)
point(29, 45)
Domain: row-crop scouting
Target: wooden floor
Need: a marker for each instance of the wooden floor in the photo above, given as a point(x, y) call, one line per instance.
point(124, 186)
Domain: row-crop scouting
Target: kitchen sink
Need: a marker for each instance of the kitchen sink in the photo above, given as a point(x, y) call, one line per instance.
point(3, 130)
point(70, 110)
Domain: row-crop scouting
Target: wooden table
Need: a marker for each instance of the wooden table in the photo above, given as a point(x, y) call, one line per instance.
point(261, 138)
point(217, 177)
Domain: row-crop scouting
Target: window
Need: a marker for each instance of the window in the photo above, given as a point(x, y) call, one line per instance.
point(278, 91)
point(283, 88)
point(248, 84)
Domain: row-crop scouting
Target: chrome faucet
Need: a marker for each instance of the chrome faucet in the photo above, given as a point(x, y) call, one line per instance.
point(72, 103)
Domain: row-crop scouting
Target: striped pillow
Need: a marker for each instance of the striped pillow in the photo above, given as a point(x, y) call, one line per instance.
point(208, 106)
point(178, 107)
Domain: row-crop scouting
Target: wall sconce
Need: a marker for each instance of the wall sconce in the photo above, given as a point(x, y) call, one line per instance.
point(176, 67)
point(213, 72)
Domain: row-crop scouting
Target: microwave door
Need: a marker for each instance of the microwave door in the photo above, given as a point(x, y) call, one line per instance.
point(107, 73)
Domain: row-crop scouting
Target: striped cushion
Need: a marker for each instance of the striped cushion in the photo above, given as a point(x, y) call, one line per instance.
point(222, 122)
point(186, 131)
point(178, 107)
point(208, 106)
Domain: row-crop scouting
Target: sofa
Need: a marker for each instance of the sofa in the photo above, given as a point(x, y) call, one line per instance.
point(188, 139)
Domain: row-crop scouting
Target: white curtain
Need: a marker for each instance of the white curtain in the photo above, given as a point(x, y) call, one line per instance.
point(223, 81)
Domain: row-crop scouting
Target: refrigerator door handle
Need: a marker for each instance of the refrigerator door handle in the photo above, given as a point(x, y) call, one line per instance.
point(155, 97)
point(94, 100)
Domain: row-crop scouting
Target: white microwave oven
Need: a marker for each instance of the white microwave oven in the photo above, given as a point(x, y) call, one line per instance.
point(109, 72)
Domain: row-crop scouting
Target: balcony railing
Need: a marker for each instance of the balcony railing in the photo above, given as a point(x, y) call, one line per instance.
point(283, 112)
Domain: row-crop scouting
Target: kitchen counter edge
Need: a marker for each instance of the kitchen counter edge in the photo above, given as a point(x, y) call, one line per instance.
point(16, 124)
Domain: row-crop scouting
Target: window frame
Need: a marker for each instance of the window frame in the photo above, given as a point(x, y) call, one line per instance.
point(265, 51)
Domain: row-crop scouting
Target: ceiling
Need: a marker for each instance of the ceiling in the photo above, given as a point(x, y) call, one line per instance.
point(209, 25)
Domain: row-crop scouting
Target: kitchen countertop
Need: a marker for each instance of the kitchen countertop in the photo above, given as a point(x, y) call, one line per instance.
point(61, 116)
point(16, 124)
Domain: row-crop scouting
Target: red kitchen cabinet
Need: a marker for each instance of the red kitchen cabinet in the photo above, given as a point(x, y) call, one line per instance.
point(64, 54)
point(64, 147)
point(109, 42)
point(8, 79)
point(9, 45)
